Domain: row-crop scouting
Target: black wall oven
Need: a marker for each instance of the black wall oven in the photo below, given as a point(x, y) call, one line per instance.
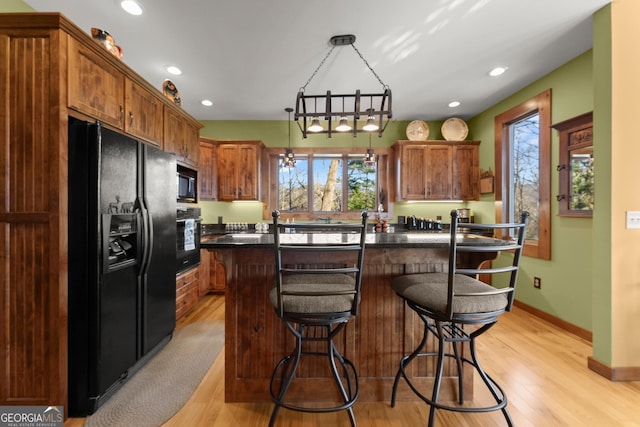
point(188, 231)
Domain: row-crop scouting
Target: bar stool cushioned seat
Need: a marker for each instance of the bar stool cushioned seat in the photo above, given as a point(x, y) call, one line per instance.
point(429, 290)
point(339, 288)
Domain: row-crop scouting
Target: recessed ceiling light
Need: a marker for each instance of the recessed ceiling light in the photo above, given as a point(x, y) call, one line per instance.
point(131, 6)
point(174, 70)
point(207, 103)
point(497, 71)
point(454, 104)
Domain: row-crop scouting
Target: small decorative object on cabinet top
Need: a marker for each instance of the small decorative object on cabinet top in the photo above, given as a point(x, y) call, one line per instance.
point(417, 130)
point(454, 129)
point(170, 91)
point(107, 41)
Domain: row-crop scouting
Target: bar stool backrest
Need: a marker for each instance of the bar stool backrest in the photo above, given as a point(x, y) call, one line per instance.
point(322, 255)
point(507, 240)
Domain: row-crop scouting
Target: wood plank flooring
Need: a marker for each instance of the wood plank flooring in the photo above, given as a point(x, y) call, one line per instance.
point(542, 368)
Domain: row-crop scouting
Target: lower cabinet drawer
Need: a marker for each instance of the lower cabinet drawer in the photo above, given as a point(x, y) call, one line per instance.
point(187, 294)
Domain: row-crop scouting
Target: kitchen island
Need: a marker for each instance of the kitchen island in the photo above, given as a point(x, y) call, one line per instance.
point(375, 340)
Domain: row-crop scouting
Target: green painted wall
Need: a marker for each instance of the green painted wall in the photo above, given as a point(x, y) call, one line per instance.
point(601, 253)
point(15, 6)
point(566, 283)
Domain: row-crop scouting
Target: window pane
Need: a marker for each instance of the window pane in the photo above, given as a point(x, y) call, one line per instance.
point(361, 185)
point(581, 163)
point(525, 172)
point(327, 184)
point(293, 186)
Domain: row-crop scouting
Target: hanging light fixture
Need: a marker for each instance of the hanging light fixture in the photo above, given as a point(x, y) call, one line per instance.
point(379, 103)
point(289, 159)
point(370, 158)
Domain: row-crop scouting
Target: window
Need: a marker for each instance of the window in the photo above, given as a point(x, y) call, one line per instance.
point(523, 159)
point(576, 173)
point(317, 184)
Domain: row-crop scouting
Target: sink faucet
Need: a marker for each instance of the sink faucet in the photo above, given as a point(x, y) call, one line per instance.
point(327, 220)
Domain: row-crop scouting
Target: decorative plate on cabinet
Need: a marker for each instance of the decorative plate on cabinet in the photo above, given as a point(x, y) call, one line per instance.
point(106, 39)
point(454, 129)
point(171, 91)
point(417, 130)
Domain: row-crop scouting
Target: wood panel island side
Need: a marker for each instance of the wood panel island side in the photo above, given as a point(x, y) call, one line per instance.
point(375, 340)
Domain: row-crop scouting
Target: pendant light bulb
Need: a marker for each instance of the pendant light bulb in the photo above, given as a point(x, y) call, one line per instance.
point(343, 126)
point(371, 125)
point(315, 125)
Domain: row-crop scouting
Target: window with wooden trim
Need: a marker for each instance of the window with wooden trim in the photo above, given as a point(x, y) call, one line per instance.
point(335, 183)
point(523, 168)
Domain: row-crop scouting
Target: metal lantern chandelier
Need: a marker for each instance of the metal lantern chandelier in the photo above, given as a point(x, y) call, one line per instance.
point(344, 111)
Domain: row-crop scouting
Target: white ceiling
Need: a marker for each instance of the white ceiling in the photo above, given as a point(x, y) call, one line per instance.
point(250, 57)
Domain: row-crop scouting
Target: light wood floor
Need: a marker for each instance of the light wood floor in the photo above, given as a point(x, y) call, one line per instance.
point(543, 370)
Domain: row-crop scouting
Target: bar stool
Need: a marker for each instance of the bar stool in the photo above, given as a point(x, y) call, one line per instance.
point(456, 307)
point(316, 292)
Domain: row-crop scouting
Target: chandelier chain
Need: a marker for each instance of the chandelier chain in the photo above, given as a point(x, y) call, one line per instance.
point(317, 69)
point(329, 54)
point(369, 66)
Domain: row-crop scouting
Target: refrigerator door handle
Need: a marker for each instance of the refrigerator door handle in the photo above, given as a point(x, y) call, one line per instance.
point(147, 237)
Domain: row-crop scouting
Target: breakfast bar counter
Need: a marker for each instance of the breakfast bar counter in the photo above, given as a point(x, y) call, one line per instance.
point(375, 340)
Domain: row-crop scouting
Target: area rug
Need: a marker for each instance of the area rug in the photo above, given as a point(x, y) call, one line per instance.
point(158, 390)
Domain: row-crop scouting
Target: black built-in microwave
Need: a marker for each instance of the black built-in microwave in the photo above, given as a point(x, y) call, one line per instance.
point(187, 185)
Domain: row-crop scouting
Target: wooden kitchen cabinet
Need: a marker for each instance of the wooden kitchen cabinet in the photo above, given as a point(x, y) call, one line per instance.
point(102, 91)
point(187, 291)
point(143, 113)
point(181, 138)
point(217, 273)
point(213, 274)
point(437, 170)
point(204, 285)
point(239, 170)
point(207, 170)
point(52, 69)
point(96, 87)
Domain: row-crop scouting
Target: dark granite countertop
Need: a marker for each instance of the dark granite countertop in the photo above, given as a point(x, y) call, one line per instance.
point(418, 239)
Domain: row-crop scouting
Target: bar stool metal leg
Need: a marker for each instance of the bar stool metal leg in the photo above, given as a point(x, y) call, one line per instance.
point(287, 367)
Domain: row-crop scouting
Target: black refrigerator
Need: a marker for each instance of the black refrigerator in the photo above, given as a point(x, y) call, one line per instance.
point(122, 255)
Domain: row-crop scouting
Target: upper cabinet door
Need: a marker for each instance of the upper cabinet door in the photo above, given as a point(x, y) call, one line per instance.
point(207, 170)
point(439, 172)
point(143, 113)
point(412, 181)
point(248, 178)
point(238, 171)
point(466, 172)
point(181, 138)
point(96, 88)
